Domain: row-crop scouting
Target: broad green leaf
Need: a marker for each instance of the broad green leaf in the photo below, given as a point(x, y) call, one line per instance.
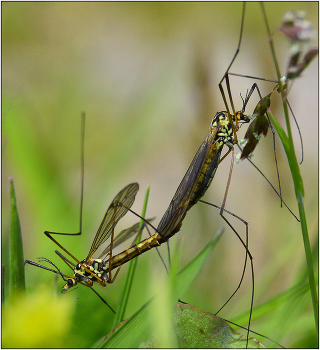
point(197, 328)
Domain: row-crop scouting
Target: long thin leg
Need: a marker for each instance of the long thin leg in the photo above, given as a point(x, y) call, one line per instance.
point(228, 183)
point(225, 77)
point(48, 234)
point(81, 179)
point(255, 87)
point(252, 272)
point(66, 261)
point(160, 256)
point(245, 262)
point(102, 299)
point(245, 244)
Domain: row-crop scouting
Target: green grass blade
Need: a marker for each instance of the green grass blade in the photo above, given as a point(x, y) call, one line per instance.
point(307, 247)
point(125, 292)
point(17, 279)
point(163, 286)
point(193, 268)
point(3, 290)
point(130, 333)
point(291, 156)
point(298, 186)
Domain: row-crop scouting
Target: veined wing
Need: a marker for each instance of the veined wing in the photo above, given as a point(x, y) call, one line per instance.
point(193, 185)
point(123, 236)
point(117, 209)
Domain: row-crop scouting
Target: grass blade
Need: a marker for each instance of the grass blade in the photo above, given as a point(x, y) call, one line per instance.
point(17, 279)
point(187, 275)
point(125, 292)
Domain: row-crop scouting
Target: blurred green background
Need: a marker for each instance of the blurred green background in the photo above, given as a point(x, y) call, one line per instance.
point(146, 75)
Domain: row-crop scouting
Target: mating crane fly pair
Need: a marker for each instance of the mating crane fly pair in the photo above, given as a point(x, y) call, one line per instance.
point(193, 186)
point(223, 131)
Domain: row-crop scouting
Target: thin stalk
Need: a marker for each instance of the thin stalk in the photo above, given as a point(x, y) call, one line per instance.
point(124, 297)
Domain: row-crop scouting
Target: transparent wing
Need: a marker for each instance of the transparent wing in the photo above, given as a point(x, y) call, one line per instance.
point(117, 209)
point(123, 236)
point(191, 187)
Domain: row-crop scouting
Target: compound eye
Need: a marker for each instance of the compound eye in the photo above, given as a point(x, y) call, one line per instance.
point(244, 118)
point(71, 282)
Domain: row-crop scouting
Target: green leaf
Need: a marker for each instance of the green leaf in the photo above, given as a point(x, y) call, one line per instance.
point(197, 328)
point(188, 274)
point(17, 278)
point(299, 191)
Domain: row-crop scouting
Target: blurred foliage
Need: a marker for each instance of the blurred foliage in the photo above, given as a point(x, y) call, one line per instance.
point(146, 74)
point(190, 327)
point(41, 319)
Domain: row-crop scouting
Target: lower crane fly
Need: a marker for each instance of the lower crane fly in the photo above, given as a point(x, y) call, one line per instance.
point(95, 270)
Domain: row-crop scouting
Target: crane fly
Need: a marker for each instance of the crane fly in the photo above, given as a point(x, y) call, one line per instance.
point(94, 270)
point(223, 131)
point(193, 186)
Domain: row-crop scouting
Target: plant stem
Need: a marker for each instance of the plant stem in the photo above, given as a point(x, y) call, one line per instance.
point(287, 141)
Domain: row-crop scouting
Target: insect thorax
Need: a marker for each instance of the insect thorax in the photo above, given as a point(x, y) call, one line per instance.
point(225, 134)
point(97, 268)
